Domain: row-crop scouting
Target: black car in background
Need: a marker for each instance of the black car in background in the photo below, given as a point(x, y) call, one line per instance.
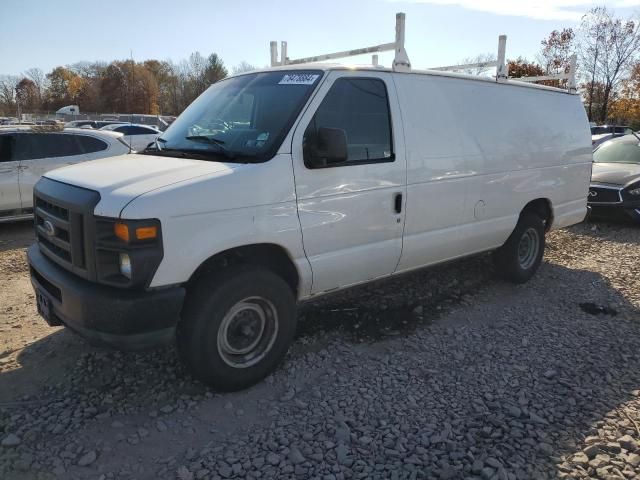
point(615, 179)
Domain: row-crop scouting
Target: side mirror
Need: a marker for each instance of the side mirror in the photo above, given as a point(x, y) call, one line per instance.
point(330, 147)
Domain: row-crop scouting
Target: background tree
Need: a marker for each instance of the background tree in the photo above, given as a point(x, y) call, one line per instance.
point(557, 50)
point(482, 58)
point(39, 79)
point(27, 95)
point(242, 67)
point(8, 85)
point(609, 47)
point(521, 67)
point(121, 86)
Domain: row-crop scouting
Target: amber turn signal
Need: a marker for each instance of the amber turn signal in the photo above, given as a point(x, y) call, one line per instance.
point(121, 231)
point(146, 233)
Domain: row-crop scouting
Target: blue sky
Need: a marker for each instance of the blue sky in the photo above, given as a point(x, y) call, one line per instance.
point(48, 33)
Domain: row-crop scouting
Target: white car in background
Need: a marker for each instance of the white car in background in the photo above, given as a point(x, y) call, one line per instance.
point(27, 153)
point(136, 135)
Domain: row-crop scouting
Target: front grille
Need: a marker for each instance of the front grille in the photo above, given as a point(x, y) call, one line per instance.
point(55, 225)
point(604, 195)
point(63, 216)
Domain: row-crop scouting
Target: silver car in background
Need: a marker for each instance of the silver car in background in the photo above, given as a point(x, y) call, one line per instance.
point(26, 153)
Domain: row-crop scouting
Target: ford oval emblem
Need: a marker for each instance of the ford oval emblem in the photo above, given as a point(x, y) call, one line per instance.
point(49, 228)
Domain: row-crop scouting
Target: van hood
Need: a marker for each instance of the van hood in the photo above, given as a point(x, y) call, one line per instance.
point(615, 173)
point(120, 179)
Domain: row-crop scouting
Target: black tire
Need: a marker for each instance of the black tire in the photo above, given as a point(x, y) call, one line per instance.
point(520, 256)
point(240, 308)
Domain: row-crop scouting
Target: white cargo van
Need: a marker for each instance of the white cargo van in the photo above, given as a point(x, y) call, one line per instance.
point(282, 185)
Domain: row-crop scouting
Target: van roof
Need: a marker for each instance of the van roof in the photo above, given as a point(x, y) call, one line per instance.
point(325, 67)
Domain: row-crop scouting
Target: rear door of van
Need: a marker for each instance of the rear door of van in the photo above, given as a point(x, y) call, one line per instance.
point(352, 212)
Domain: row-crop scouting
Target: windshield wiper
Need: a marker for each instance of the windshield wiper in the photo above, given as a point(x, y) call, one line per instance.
point(202, 154)
point(213, 141)
point(154, 144)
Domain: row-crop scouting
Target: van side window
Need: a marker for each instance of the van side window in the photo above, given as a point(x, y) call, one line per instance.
point(359, 107)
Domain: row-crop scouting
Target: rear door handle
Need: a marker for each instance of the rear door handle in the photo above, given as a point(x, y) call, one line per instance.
point(397, 202)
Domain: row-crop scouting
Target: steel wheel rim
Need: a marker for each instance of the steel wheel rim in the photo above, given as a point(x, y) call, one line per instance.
point(247, 332)
point(528, 248)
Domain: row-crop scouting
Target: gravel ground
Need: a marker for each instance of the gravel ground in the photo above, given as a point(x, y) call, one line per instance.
point(447, 373)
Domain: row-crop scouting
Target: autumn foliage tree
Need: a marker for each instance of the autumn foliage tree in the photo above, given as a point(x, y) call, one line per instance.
point(608, 48)
point(27, 94)
point(521, 67)
point(121, 86)
point(556, 53)
point(625, 107)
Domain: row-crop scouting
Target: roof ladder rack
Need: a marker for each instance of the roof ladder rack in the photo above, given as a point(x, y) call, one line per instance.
point(502, 70)
point(500, 63)
point(401, 61)
point(569, 76)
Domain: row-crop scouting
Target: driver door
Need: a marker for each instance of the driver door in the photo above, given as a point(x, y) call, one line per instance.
point(352, 212)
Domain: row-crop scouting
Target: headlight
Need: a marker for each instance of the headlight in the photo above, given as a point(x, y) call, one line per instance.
point(125, 265)
point(635, 191)
point(128, 251)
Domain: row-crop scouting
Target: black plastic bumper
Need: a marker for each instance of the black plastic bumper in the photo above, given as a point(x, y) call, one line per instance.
point(618, 211)
point(124, 319)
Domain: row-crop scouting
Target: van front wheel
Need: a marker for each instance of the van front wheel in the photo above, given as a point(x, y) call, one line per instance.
point(519, 258)
point(236, 326)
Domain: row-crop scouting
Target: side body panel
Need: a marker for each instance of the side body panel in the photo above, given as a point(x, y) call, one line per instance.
point(229, 208)
point(350, 229)
point(477, 153)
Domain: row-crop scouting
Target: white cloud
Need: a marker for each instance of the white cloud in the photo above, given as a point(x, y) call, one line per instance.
point(538, 9)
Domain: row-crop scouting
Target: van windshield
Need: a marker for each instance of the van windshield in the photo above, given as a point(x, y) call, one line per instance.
point(242, 118)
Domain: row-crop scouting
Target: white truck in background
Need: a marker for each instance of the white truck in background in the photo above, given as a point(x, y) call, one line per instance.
point(282, 185)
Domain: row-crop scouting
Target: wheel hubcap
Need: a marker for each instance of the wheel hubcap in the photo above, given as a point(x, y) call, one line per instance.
point(247, 332)
point(528, 248)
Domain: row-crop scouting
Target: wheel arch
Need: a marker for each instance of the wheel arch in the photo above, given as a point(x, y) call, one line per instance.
point(268, 255)
point(543, 208)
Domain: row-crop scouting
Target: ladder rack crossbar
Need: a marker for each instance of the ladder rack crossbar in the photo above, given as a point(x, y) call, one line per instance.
point(466, 66)
point(561, 76)
point(384, 47)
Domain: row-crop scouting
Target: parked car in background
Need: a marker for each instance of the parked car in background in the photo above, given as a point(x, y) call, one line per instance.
point(28, 153)
point(602, 133)
point(136, 135)
point(90, 123)
point(615, 179)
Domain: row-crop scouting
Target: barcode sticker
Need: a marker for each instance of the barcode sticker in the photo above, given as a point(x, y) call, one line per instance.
point(299, 79)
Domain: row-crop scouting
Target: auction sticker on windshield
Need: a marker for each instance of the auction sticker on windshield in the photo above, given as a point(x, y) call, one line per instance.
point(299, 79)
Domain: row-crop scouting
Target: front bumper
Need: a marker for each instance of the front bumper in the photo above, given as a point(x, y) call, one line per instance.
point(124, 319)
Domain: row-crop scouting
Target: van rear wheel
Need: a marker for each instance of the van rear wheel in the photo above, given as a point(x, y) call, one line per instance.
point(520, 256)
point(236, 326)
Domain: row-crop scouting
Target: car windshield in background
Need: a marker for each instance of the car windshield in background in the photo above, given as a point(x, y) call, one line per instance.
point(244, 118)
point(618, 152)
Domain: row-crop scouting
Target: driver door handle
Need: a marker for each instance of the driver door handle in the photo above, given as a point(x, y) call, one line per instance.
point(397, 202)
